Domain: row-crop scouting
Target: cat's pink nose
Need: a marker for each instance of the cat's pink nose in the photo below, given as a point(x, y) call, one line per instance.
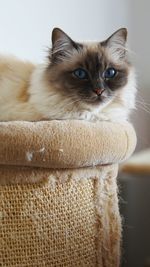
point(99, 91)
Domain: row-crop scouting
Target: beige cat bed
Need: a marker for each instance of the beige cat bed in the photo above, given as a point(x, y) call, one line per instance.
point(58, 192)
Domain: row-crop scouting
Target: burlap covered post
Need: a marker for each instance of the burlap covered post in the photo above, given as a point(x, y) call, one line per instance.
point(58, 192)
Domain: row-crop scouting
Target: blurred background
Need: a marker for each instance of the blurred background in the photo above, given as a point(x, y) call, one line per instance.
point(25, 31)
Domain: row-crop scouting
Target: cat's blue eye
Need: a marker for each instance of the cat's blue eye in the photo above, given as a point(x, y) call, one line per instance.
point(80, 74)
point(110, 73)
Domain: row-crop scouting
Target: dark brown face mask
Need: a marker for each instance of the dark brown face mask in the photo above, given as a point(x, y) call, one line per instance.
point(87, 72)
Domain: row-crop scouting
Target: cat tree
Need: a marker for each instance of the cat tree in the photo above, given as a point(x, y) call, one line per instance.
point(58, 192)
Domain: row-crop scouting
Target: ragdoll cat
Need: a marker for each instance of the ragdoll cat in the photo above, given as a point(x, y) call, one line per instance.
point(90, 81)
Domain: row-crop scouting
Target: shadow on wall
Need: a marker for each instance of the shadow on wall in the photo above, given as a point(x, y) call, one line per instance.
point(139, 39)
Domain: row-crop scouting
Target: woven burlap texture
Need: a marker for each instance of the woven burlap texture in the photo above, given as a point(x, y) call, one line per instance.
point(58, 193)
point(61, 223)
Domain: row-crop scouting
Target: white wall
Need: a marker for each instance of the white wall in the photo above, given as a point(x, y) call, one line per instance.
point(139, 22)
point(138, 17)
point(25, 25)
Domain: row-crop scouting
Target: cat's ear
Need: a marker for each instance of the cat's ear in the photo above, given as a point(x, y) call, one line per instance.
point(117, 43)
point(62, 44)
point(61, 36)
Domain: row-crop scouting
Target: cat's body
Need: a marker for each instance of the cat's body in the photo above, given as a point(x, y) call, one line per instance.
point(58, 90)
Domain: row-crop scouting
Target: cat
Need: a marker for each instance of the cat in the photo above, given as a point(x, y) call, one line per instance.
point(91, 81)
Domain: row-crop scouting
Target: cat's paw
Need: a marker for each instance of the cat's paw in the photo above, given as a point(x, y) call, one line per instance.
point(98, 117)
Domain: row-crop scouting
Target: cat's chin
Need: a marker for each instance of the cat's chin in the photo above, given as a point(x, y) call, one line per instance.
point(97, 101)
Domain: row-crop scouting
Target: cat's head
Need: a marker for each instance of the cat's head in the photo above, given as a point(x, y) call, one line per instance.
point(89, 73)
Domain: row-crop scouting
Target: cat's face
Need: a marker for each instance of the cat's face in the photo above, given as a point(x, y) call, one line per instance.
point(91, 73)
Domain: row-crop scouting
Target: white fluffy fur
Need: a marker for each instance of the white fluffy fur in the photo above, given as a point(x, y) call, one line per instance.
point(26, 94)
point(17, 77)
